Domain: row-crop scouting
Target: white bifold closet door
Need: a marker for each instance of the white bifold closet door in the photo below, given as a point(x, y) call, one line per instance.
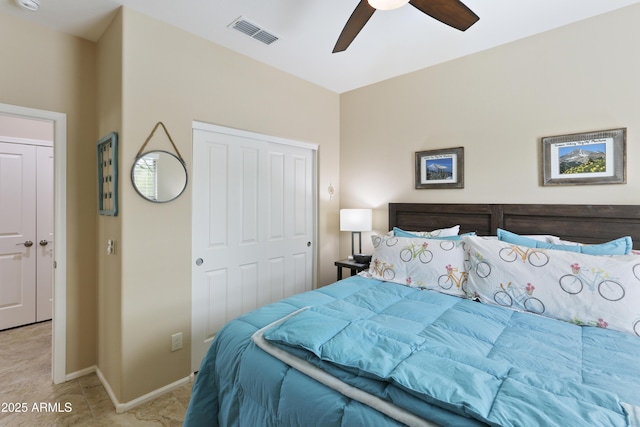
point(26, 231)
point(253, 226)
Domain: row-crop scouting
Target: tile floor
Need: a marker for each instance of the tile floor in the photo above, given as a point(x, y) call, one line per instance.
point(25, 378)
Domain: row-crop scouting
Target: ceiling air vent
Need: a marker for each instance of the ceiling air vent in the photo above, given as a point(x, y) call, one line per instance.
point(253, 30)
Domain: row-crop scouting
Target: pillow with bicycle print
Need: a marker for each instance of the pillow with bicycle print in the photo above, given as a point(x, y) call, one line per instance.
point(420, 263)
point(593, 290)
point(441, 232)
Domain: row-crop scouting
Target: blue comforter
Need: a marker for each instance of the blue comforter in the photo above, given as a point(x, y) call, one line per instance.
point(447, 359)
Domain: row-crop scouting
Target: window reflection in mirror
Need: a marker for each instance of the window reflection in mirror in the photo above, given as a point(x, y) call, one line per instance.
point(159, 176)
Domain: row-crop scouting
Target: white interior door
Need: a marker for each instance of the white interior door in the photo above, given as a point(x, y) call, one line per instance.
point(59, 121)
point(17, 234)
point(44, 231)
point(253, 226)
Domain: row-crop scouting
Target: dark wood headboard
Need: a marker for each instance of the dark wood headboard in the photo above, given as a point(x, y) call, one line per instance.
point(580, 223)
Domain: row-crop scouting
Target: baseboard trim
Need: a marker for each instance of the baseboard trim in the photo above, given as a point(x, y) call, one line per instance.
point(81, 373)
point(123, 407)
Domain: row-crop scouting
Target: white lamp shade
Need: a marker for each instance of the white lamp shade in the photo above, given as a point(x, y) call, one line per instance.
point(355, 219)
point(387, 4)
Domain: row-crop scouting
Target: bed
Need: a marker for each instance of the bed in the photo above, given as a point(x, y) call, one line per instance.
point(450, 328)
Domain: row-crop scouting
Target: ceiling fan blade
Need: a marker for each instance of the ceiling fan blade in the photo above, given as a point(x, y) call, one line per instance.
point(451, 12)
point(356, 22)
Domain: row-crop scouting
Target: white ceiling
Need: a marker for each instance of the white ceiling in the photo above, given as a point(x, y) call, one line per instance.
point(392, 43)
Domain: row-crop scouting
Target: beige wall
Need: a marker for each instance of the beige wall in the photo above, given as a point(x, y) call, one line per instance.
point(48, 70)
point(497, 104)
point(21, 127)
point(172, 76)
point(109, 101)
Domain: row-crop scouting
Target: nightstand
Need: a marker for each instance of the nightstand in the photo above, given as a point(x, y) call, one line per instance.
point(355, 267)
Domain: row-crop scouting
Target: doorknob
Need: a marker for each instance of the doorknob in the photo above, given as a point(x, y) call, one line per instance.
point(28, 243)
point(43, 243)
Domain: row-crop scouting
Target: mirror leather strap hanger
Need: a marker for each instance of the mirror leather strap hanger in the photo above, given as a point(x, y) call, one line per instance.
point(168, 136)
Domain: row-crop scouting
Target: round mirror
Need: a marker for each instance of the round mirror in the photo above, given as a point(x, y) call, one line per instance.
point(159, 176)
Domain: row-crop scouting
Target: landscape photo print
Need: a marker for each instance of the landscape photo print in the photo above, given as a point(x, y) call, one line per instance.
point(440, 168)
point(585, 158)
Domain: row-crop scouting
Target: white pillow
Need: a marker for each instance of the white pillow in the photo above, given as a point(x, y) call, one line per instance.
point(420, 263)
point(441, 232)
point(559, 241)
point(593, 290)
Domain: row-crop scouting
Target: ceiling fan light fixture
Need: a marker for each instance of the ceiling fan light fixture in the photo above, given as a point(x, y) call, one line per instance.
point(31, 5)
point(387, 4)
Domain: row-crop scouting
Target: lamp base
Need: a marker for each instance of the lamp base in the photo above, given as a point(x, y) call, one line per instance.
point(362, 258)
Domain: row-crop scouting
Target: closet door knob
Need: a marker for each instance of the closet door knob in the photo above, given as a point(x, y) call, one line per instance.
point(43, 243)
point(27, 244)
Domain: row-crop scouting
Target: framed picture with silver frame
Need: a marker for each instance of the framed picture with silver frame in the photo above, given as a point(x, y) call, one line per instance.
point(440, 168)
point(587, 158)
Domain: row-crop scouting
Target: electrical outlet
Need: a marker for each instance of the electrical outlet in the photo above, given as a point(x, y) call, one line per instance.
point(111, 247)
point(176, 341)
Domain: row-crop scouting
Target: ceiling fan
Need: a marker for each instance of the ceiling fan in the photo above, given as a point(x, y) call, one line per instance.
point(451, 12)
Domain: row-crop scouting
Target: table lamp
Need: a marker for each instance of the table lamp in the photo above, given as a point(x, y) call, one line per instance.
point(356, 221)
